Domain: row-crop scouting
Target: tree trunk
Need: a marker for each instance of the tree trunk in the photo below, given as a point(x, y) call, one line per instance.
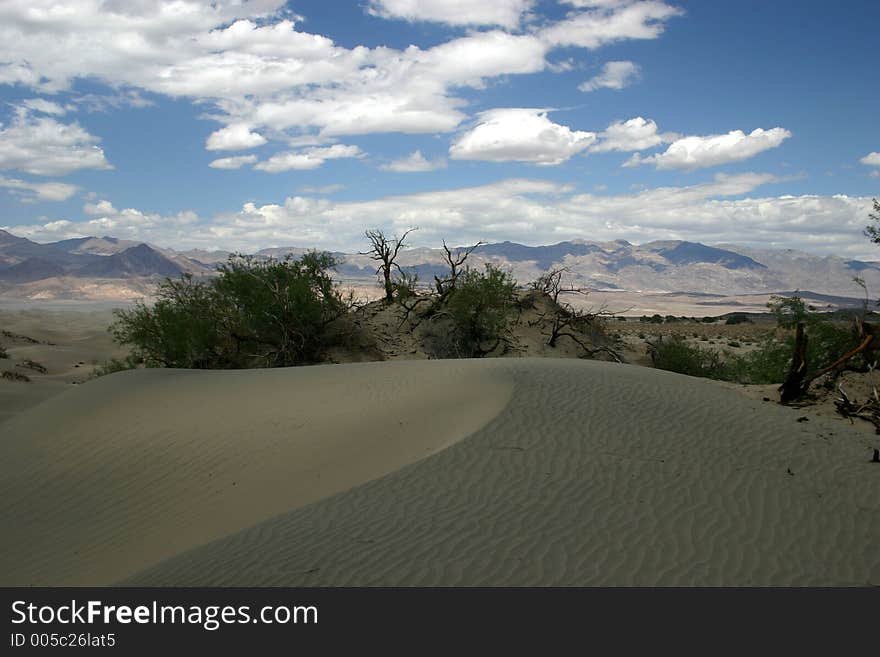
point(793, 388)
point(389, 289)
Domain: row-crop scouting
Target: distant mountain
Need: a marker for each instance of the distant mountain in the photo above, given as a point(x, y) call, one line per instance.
point(689, 253)
point(25, 262)
point(66, 267)
point(140, 260)
point(94, 245)
point(543, 256)
point(32, 269)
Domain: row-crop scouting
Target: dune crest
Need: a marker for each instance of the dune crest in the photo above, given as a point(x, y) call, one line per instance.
point(116, 475)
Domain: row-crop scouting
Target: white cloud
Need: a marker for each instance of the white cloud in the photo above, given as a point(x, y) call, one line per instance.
point(519, 135)
point(235, 137)
point(698, 152)
point(101, 208)
point(105, 102)
point(724, 209)
point(506, 13)
point(608, 22)
point(413, 163)
point(311, 158)
point(636, 134)
point(233, 162)
point(44, 106)
point(871, 159)
point(326, 189)
point(251, 66)
point(614, 75)
point(44, 147)
point(30, 192)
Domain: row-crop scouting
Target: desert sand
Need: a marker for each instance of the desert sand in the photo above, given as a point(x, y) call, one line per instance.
point(481, 472)
point(67, 339)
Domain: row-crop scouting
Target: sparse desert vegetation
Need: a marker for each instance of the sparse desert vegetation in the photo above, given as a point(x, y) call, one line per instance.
point(17, 377)
point(275, 313)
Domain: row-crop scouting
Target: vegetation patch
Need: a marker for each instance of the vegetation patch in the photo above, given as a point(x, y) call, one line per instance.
point(18, 377)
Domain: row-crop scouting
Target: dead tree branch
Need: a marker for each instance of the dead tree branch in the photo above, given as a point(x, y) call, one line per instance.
point(384, 250)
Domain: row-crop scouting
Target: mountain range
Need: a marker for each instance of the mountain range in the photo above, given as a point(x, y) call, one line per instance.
point(107, 267)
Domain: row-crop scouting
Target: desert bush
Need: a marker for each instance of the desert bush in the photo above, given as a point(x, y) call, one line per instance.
point(15, 376)
point(3, 353)
point(828, 338)
point(675, 355)
point(738, 318)
point(769, 363)
point(130, 362)
point(254, 314)
point(405, 286)
point(33, 365)
point(480, 309)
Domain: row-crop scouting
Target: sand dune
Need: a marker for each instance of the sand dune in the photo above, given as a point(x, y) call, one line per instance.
point(68, 343)
point(124, 471)
point(488, 472)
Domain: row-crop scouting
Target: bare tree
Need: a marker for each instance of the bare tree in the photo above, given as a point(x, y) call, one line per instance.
point(564, 319)
point(455, 258)
point(384, 250)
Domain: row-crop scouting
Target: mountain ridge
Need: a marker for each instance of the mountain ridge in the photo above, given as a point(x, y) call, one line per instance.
point(654, 267)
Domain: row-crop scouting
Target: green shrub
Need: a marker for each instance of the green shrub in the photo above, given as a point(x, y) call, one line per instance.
point(828, 338)
point(769, 363)
point(405, 286)
point(254, 314)
point(738, 318)
point(113, 365)
point(675, 355)
point(480, 308)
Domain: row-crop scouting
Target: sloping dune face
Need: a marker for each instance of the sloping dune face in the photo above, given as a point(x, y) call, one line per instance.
point(594, 474)
point(117, 475)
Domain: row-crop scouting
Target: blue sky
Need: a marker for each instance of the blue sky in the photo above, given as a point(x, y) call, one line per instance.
point(248, 124)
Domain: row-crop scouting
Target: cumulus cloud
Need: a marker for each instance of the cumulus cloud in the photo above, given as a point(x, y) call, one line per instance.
point(506, 13)
point(310, 158)
point(233, 162)
point(697, 152)
point(724, 209)
point(130, 224)
point(235, 137)
point(636, 134)
point(871, 159)
point(29, 192)
point(44, 147)
point(413, 163)
point(614, 75)
point(101, 208)
point(519, 135)
point(251, 65)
